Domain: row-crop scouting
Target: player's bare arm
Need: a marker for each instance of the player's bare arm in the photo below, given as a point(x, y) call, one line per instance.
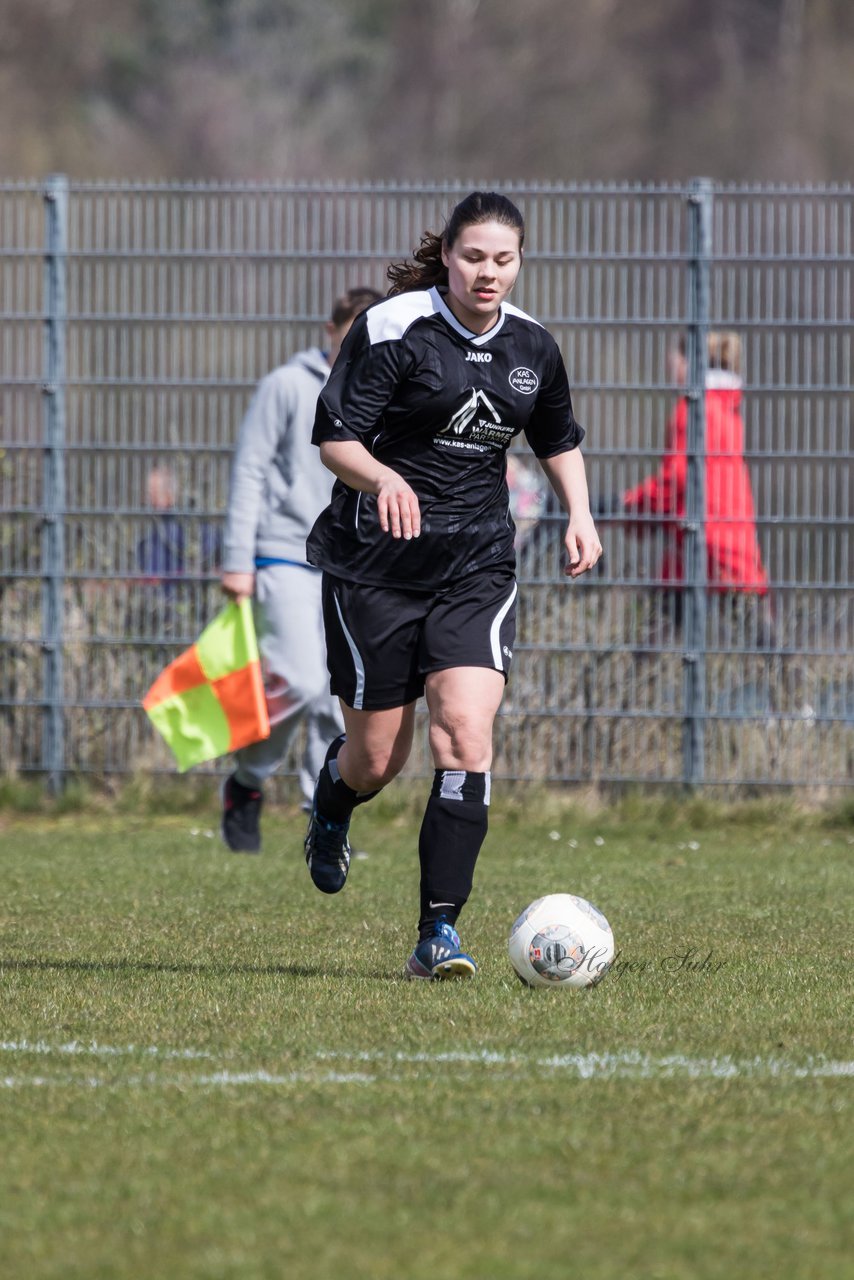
point(397, 504)
point(567, 476)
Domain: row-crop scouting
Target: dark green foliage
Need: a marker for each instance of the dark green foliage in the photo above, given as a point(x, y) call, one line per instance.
point(373, 89)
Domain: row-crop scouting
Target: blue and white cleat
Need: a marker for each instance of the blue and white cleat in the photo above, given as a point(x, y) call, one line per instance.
point(327, 853)
point(440, 956)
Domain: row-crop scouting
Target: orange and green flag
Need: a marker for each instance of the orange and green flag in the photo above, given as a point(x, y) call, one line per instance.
point(210, 700)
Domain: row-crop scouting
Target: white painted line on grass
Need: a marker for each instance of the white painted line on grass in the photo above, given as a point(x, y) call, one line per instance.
point(644, 1066)
point(628, 1065)
point(77, 1048)
point(291, 1077)
point(219, 1079)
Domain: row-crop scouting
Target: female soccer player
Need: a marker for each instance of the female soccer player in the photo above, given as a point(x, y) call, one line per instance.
point(416, 547)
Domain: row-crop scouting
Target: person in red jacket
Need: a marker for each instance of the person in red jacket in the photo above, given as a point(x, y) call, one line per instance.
point(733, 559)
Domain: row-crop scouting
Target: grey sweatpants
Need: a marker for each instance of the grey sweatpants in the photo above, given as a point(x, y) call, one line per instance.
point(289, 625)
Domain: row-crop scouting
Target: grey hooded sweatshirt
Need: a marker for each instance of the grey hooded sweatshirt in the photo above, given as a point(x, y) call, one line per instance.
point(279, 486)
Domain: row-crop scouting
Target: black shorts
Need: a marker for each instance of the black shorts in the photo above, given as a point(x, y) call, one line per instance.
point(381, 642)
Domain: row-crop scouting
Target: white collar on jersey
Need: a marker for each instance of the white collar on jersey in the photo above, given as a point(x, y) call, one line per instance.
point(447, 314)
point(722, 380)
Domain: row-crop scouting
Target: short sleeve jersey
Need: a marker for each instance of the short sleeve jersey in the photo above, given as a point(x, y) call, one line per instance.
point(439, 405)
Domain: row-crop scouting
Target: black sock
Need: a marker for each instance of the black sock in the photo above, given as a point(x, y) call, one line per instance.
point(453, 830)
point(334, 800)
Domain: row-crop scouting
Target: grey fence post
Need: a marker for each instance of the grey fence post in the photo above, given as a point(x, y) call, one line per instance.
point(700, 202)
point(53, 531)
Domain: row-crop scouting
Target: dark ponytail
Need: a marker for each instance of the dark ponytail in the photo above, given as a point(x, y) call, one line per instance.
point(426, 267)
point(423, 270)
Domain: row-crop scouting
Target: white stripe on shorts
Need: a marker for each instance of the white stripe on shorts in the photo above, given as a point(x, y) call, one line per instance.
point(495, 629)
point(357, 660)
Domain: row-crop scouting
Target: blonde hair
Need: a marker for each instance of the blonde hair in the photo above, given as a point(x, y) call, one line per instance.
point(725, 350)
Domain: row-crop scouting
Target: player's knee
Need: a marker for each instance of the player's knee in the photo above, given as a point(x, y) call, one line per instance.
point(369, 768)
point(460, 743)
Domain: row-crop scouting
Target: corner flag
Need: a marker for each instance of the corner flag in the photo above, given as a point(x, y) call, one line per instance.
point(210, 700)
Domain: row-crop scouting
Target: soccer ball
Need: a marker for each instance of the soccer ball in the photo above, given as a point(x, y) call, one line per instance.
point(561, 941)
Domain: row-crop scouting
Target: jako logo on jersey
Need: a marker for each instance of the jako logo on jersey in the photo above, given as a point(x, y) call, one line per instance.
point(479, 357)
point(524, 380)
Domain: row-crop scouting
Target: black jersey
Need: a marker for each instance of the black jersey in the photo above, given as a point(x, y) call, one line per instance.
point(439, 405)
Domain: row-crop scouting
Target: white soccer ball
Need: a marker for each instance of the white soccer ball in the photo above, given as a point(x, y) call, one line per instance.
point(561, 941)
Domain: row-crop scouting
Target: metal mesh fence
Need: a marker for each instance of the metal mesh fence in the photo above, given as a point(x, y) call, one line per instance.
point(135, 321)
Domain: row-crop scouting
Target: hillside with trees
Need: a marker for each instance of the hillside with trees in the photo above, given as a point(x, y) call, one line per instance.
point(378, 89)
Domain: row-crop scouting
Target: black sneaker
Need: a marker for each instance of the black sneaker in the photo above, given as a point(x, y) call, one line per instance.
point(327, 853)
point(241, 813)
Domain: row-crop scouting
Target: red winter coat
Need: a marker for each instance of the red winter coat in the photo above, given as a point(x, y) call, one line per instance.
point(733, 559)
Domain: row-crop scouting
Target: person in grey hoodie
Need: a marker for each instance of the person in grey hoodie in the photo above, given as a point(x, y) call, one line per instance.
point(278, 488)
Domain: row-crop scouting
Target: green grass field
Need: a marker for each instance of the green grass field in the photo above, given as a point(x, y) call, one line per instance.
point(210, 1070)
